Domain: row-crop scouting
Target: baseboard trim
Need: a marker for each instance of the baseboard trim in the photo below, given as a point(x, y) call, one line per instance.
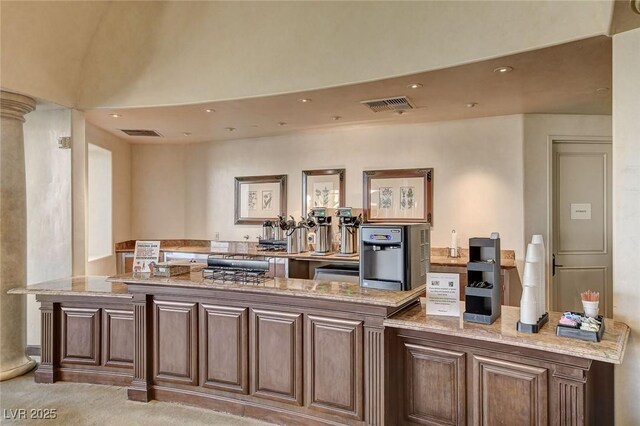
point(34, 350)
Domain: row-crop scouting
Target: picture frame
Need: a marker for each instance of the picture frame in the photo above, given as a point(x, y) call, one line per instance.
point(322, 188)
point(401, 195)
point(259, 198)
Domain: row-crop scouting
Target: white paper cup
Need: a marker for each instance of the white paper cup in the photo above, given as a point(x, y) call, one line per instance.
point(590, 308)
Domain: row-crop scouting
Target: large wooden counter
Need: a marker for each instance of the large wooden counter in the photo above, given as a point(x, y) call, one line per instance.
point(494, 375)
point(294, 351)
point(286, 351)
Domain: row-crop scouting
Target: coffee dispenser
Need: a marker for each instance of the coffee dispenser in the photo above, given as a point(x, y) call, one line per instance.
point(323, 231)
point(293, 236)
point(348, 231)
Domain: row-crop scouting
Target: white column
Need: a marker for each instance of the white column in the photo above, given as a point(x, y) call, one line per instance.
point(13, 236)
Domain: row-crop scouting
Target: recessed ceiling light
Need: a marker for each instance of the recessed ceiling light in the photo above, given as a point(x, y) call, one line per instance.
point(115, 115)
point(186, 133)
point(503, 70)
point(401, 112)
point(336, 118)
point(304, 100)
point(414, 86)
point(209, 110)
point(602, 90)
point(282, 123)
point(230, 129)
point(471, 105)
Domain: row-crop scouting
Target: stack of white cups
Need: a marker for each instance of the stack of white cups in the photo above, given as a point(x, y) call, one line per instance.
point(542, 297)
point(531, 282)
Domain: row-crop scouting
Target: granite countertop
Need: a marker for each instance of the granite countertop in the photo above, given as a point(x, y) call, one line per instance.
point(239, 248)
point(76, 286)
point(610, 349)
point(346, 292)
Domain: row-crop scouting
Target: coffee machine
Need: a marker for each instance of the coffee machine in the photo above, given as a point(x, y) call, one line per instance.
point(323, 231)
point(394, 256)
point(348, 231)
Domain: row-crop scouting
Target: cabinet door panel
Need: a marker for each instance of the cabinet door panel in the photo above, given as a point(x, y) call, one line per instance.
point(434, 386)
point(224, 348)
point(80, 336)
point(118, 338)
point(334, 366)
point(276, 349)
point(509, 393)
point(175, 341)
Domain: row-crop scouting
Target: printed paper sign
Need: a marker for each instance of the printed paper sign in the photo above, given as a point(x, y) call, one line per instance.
point(146, 256)
point(443, 294)
point(580, 211)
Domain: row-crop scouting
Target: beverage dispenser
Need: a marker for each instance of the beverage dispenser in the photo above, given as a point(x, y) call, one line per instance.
point(394, 256)
point(323, 231)
point(348, 231)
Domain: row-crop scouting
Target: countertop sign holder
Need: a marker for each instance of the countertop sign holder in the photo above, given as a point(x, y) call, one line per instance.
point(483, 304)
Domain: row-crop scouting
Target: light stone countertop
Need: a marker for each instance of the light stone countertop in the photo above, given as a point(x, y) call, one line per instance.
point(238, 248)
point(347, 292)
point(503, 330)
point(76, 286)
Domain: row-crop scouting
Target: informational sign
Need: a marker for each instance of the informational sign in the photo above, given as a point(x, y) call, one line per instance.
point(219, 246)
point(146, 256)
point(443, 294)
point(580, 211)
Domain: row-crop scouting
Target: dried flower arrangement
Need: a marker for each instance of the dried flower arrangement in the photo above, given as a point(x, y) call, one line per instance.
point(590, 296)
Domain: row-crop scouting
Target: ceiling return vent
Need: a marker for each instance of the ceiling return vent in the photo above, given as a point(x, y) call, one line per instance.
point(136, 132)
point(398, 103)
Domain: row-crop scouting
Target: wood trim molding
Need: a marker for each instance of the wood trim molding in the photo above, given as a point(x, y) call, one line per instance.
point(88, 335)
point(109, 316)
point(272, 335)
point(175, 360)
point(47, 371)
point(217, 377)
point(327, 340)
point(374, 377)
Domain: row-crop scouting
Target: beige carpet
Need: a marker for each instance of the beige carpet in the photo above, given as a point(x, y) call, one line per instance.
point(83, 404)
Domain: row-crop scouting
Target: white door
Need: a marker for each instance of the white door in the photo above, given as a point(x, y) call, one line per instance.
point(581, 224)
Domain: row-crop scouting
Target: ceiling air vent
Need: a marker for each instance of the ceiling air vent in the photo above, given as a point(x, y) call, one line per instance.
point(399, 103)
point(147, 133)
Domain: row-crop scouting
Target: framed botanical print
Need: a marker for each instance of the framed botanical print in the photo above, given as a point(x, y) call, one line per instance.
point(260, 198)
point(404, 195)
point(322, 188)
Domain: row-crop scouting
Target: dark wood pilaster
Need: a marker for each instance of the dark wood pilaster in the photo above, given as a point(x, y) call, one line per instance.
point(140, 386)
point(47, 371)
point(374, 371)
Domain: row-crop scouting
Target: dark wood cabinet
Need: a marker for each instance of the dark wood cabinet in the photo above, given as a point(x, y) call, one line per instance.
point(434, 386)
point(276, 355)
point(224, 348)
point(117, 342)
point(334, 365)
point(446, 380)
point(175, 341)
point(80, 336)
point(508, 392)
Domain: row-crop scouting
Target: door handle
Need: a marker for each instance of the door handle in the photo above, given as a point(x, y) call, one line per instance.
point(554, 264)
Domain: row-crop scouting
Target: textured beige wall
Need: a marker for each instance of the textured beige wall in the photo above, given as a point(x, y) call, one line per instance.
point(477, 183)
point(48, 178)
point(158, 188)
point(121, 194)
point(626, 219)
point(158, 53)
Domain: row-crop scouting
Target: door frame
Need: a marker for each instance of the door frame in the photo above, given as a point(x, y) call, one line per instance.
point(551, 139)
